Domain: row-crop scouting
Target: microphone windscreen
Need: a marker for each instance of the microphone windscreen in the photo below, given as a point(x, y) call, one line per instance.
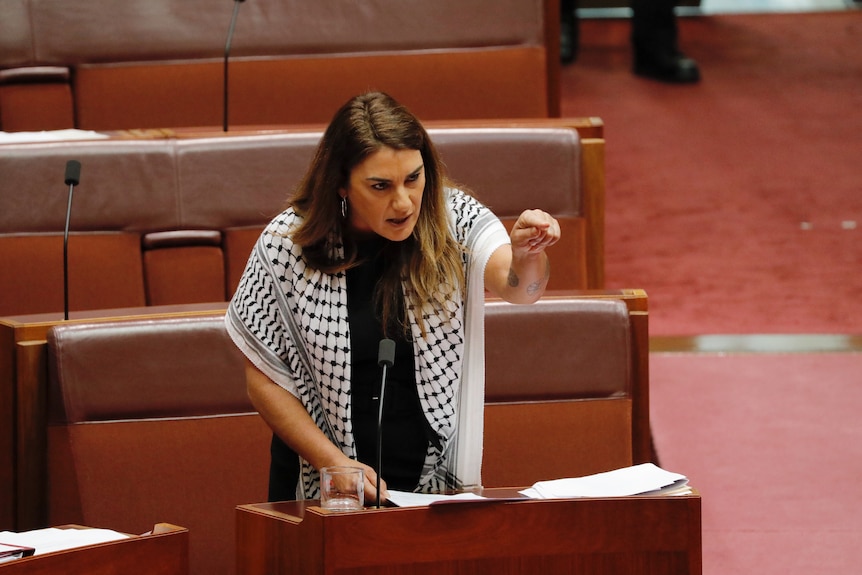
point(73, 172)
point(386, 353)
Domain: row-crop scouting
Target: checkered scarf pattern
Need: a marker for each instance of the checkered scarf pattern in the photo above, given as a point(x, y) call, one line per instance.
point(291, 321)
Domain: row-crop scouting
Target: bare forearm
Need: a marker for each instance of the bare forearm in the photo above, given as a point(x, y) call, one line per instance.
point(288, 419)
point(528, 277)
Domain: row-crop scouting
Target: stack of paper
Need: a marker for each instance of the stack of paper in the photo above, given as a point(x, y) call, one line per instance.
point(50, 136)
point(57, 539)
point(644, 479)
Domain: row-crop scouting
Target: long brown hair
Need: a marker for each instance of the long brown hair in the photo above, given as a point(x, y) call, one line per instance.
point(430, 261)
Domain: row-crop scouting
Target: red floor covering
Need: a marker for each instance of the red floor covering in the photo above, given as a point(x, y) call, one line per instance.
point(774, 444)
point(737, 202)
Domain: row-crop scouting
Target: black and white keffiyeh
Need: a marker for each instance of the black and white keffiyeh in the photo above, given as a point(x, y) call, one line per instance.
point(291, 322)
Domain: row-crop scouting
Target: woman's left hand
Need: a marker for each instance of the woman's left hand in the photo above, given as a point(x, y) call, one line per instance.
point(534, 231)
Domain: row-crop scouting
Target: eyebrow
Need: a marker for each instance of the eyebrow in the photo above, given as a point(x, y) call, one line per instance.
point(378, 179)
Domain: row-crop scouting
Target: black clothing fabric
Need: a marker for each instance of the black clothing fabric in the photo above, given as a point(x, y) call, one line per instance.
point(283, 471)
point(406, 431)
point(654, 25)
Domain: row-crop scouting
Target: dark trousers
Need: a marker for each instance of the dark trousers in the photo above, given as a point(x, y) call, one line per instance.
point(653, 23)
point(284, 471)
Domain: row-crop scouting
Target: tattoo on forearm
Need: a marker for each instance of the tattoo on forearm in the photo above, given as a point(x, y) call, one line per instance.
point(536, 286)
point(513, 278)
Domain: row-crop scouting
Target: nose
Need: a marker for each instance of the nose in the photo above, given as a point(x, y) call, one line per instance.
point(401, 201)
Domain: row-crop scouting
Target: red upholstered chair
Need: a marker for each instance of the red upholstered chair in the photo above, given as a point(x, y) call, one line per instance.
point(149, 421)
point(184, 266)
point(566, 389)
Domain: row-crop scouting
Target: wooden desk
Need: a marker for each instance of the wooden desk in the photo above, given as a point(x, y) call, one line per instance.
point(164, 552)
point(632, 535)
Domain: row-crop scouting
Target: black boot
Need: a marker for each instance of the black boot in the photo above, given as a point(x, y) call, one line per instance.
point(667, 65)
point(654, 42)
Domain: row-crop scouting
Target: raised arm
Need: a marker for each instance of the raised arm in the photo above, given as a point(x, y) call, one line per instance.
point(519, 273)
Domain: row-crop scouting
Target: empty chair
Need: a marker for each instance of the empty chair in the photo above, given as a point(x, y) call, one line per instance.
point(149, 421)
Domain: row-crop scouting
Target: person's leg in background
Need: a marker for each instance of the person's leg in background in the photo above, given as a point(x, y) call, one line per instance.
point(569, 36)
point(654, 41)
point(655, 47)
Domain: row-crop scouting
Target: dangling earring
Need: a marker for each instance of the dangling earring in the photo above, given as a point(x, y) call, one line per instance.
point(344, 207)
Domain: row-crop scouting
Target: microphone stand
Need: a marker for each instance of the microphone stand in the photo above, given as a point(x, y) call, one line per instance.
point(226, 56)
point(380, 435)
point(385, 359)
point(73, 176)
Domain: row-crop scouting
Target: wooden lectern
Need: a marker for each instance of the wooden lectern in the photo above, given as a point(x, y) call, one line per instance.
point(164, 551)
point(632, 535)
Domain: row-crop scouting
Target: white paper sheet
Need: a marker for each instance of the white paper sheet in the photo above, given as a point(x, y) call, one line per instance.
point(640, 479)
point(407, 499)
point(50, 136)
point(56, 539)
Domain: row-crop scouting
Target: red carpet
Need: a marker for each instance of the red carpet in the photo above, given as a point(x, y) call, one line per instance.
point(737, 204)
point(774, 444)
point(709, 186)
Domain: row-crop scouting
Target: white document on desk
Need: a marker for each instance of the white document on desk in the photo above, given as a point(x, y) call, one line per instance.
point(643, 479)
point(50, 136)
point(407, 499)
point(58, 539)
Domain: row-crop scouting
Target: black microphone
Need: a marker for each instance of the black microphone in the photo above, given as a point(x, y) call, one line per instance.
point(227, 55)
point(385, 359)
point(73, 177)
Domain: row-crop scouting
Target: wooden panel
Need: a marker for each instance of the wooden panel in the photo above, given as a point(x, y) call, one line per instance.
point(8, 501)
point(193, 470)
point(31, 444)
point(265, 91)
point(636, 535)
point(164, 552)
point(149, 96)
point(527, 442)
point(36, 107)
point(593, 184)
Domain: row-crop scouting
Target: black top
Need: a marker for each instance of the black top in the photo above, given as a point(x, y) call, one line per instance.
point(406, 431)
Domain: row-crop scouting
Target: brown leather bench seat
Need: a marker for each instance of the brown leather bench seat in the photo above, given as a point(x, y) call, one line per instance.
point(561, 379)
point(149, 419)
point(171, 220)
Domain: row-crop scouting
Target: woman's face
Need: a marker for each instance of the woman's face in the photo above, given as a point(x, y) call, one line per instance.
point(384, 194)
